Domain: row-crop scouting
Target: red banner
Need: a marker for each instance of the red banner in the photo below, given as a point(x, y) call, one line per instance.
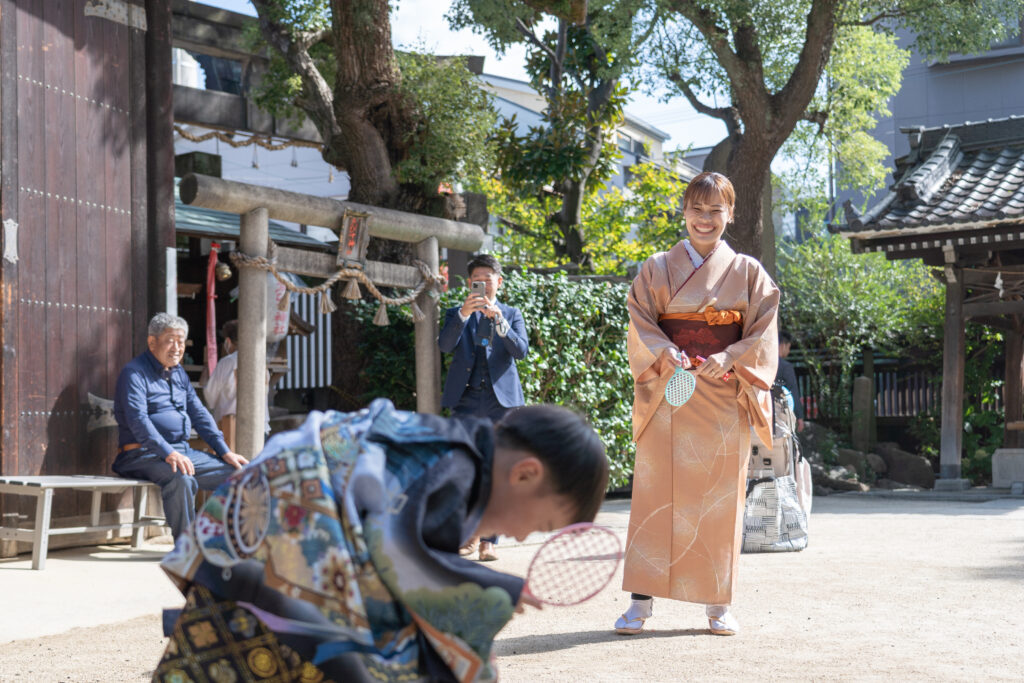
point(211, 311)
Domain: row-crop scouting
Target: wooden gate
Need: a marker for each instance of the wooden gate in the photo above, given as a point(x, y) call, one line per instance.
point(74, 261)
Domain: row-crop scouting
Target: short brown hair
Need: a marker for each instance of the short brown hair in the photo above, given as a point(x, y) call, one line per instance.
point(706, 185)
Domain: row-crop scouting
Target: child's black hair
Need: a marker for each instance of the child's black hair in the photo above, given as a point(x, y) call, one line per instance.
point(570, 449)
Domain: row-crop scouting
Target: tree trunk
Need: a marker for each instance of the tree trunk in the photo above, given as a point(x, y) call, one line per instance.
point(569, 220)
point(372, 115)
point(752, 231)
point(749, 167)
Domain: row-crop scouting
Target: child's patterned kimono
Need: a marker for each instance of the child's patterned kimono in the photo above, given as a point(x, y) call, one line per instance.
point(334, 556)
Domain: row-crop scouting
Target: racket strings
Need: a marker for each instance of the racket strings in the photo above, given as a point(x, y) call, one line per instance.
point(680, 387)
point(572, 567)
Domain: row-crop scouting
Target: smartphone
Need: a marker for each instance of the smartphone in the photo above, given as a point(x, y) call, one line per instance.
point(479, 287)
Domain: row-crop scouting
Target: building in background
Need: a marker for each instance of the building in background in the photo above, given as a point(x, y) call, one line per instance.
point(967, 88)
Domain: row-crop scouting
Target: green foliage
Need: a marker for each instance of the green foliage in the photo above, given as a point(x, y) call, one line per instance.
point(279, 91)
point(620, 226)
point(578, 69)
point(865, 71)
point(388, 356)
point(577, 358)
point(942, 28)
point(452, 106)
point(983, 423)
point(843, 303)
point(737, 64)
point(627, 226)
point(448, 101)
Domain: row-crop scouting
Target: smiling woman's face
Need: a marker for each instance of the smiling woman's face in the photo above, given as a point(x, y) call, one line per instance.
point(706, 219)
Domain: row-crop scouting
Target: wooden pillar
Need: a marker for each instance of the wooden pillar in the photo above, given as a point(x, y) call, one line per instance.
point(862, 411)
point(9, 321)
point(252, 336)
point(159, 148)
point(428, 355)
point(952, 384)
point(872, 419)
point(141, 232)
point(1013, 387)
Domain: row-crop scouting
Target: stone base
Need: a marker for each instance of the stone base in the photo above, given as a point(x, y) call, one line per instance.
point(1007, 467)
point(952, 484)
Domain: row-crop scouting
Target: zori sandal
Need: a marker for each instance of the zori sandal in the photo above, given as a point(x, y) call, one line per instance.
point(725, 625)
point(629, 627)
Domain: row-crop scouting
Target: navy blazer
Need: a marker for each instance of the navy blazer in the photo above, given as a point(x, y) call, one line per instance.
point(457, 337)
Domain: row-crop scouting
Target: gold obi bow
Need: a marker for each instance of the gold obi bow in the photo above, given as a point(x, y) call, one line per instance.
point(709, 316)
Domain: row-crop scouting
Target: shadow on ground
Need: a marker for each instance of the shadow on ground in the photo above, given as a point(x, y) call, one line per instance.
point(531, 645)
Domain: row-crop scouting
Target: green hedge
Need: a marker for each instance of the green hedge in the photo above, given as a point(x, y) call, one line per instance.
point(577, 358)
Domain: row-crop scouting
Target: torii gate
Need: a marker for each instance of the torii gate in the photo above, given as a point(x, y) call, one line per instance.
point(256, 205)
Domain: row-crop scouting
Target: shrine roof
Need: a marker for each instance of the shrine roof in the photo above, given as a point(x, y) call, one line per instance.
point(955, 178)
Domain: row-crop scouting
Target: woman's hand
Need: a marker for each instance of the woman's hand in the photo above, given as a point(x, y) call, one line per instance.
point(717, 366)
point(679, 359)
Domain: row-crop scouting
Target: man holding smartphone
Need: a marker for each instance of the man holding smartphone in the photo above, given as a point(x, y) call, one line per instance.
point(486, 338)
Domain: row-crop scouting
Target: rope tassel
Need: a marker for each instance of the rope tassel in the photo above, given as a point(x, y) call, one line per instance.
point(382, 316)
point(417, 314)
point(352, 290)
point(326, 304)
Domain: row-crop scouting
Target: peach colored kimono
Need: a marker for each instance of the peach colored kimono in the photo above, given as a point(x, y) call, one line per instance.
point(689, 482)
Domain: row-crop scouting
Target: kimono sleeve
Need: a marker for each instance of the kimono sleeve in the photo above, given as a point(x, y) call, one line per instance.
point(755, 356)
point(646, 341)
point(452, 506)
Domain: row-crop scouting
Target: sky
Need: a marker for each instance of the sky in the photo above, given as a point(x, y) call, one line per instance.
point(422, 22)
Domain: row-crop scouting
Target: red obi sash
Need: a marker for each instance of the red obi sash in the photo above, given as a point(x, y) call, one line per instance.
point(702, 334)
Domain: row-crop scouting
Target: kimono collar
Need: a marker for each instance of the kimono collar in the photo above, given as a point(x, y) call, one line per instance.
point(696, 258)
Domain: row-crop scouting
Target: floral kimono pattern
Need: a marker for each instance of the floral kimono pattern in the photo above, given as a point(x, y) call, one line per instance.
point(334, 556)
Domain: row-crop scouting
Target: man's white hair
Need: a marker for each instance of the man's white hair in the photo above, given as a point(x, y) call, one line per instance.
point(166, 321)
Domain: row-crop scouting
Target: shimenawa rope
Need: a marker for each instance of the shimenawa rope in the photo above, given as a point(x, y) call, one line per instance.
point(353, 275)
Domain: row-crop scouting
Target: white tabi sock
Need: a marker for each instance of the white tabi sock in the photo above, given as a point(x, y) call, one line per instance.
point(639, 609)
point(716, 611)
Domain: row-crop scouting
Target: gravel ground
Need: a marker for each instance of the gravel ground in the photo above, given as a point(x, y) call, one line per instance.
point(887, 590)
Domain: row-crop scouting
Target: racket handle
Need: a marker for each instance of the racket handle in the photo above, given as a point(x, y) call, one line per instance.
point(725, 377)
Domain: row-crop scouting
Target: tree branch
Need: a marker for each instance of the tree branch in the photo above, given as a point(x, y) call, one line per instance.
point(522, 230)
point(717, 37)
point(748, 49)
point(727, 114)
point(645, 35)
point(819, 37)
point(532, 37)
point(817, 117)
point(884, 14)
point(317, 97)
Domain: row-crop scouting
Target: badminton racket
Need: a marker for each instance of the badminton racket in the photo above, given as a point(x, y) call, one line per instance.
point(574, 565)
point(682, 384)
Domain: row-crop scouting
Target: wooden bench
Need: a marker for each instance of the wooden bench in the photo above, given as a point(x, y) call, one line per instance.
point(42, 487)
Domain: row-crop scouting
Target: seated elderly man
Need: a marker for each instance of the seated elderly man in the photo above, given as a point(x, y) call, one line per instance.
point(156, 407)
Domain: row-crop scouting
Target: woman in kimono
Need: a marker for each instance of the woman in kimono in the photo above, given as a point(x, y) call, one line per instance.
point(334, 554)
point(699, 300)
